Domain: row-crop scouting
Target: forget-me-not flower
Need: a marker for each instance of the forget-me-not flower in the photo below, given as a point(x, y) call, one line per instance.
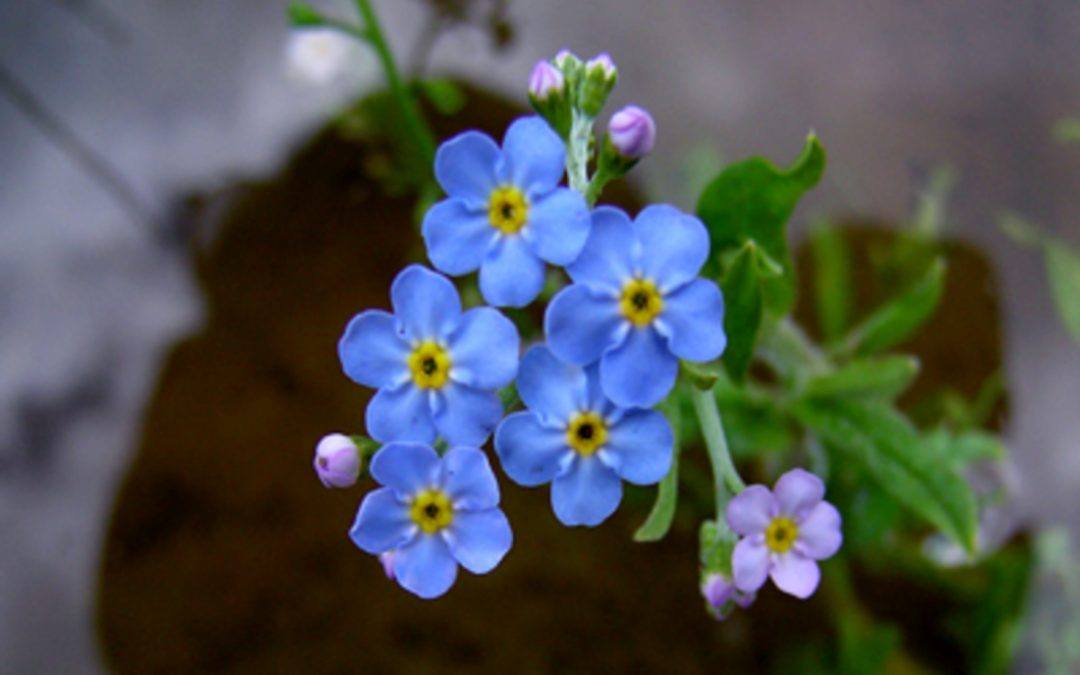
point(637, 303)
point(505, 213)
point(574, 437)
point(432, 515)
point(437, 368)
point(784, 533)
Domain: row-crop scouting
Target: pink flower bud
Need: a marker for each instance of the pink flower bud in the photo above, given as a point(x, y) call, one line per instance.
point(545, 80)
point(337, 461)
point(632, 132)
point(604, 62)
point(563, 57)
point(721, 596)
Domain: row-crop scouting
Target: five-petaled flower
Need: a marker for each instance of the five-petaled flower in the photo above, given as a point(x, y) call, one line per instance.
point(637, 303)
point(785, 532)
point(505, 213)
point(574, 437)
point(431, 515)
point(437, 368)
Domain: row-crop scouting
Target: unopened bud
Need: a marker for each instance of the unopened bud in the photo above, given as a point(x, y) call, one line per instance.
point(564, 58)
point(721, 596)
point(605, 65)
point(545, 81)
point(337, 461)
point(632, 132)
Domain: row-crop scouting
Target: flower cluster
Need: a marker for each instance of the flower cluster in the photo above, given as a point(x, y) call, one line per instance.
point(612, 342)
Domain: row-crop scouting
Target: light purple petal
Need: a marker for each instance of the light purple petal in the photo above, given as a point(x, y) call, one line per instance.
point(479, 539)
point(750, 511)
point(797, 492)
point(819, 532)
point(749, 564)
point(795, 575)
point(425, 567)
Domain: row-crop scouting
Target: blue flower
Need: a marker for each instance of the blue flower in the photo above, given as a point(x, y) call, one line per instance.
point(437, 368)
point(432, 515)
point(505, 213)
point(637, 303)
point(576, 439)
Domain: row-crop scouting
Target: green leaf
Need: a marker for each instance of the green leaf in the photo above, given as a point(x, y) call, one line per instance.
point(667, 494)
point(895, 321)
point(742, 310)
point(832, 280)
point(303, 14)
point(885, 445)
point(444, 95)
point(1063, 271)
point(958, 450)
point(865, 647)
point(752, 200)
point(877, 377)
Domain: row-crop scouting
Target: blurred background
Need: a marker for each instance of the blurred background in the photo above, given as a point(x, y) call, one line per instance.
point(135, 135)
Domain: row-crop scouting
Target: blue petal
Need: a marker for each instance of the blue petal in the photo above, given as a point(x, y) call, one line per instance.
point(382, 523)
point(425, 567)
point(425, 302)
point(511, 274)
point(531, 454)
point(558, 226)
point(484, 349)
point(457, 237)
point(400, 414)
point(595, 399)
point(639, 447)
point(552, 389)
point(406, 467)
point(674, 245)
point(586, 494)
point(479, 539)
point(533, 156)
point(466, 416)
point(640, 372)
point(372, 351)
point(466, 165)
point(469, 480)
point(608, 259)
point(581, 325)
point(693, 321)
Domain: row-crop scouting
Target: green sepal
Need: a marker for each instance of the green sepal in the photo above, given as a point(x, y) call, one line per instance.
point(717, 543)
point(596, 86)
point(752, 200)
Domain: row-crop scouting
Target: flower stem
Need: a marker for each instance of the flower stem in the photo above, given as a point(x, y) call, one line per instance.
point(577, 153)
point(727, 480)
point(410, 112)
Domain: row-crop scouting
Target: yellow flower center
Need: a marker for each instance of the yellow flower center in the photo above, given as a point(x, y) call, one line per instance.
point(429, 364)
point(507, 209)
point(587, 433)
point(780, 535)
point(640, 301)
point(431, 510)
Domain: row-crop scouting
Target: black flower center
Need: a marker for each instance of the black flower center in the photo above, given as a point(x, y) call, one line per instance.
point(585, 432)
point(428, 365)
point(431, 511)
point(640, 300)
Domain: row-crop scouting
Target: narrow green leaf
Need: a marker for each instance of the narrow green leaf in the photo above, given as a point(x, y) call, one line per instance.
point(659, 521)
point(742, 310)
point(752, 200)
point(832, 280)
point(958, 450)
point(895, 321)
point(303, 14)
point(880, 377)
point(888, 448)
point(1063, 271)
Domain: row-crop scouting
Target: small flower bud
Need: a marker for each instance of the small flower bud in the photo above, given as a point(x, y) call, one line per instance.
point(564, 58)
point(632, 132)
point(545, 81)
point(597, 81)
point(721, 596)
point(337, 461)
point(603, 62)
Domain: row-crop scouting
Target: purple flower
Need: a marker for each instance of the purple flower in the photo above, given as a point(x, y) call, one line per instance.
point(632, 132)
point(337, 461)
point(721, 596)
point(784, 533)
point(545, 80)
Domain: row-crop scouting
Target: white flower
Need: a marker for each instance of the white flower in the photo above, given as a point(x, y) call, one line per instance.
point(318, 55)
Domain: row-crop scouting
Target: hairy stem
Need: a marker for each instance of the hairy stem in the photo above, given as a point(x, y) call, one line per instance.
point(726, 478)
point(577, 153)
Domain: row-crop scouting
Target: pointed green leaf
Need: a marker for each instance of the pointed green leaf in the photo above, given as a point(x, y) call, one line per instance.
point(832, 281)
point(752, 200)
point(742, 310)
point(891, 452)
point(896, 320)
point(1063, 271)
point(883, 377)
point(303, 14)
